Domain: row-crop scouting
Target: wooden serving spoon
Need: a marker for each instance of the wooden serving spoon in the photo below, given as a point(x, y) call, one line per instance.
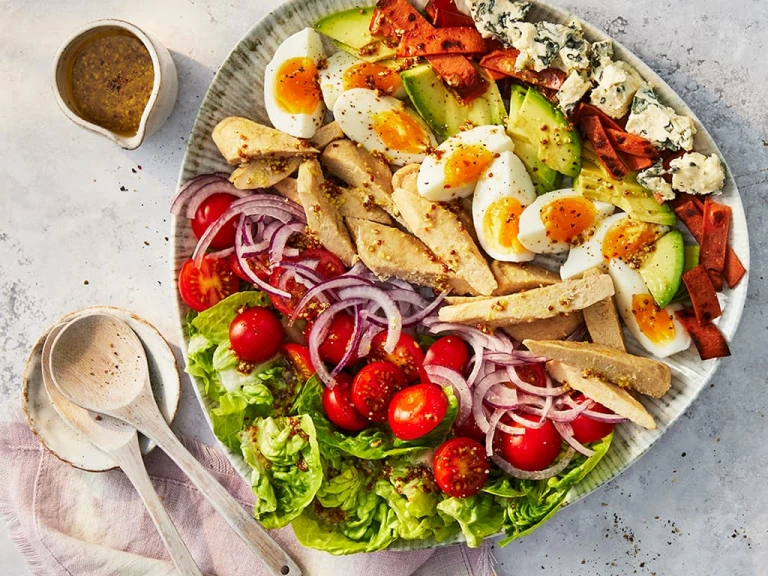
point(98, 363)
point(121, 442)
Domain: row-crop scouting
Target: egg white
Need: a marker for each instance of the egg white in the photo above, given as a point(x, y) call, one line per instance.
point(332, 77)
point(505, 177)
point(304, 44)
point(628, 283)
point(533, 233)
point(431, 181)
point(354, 111)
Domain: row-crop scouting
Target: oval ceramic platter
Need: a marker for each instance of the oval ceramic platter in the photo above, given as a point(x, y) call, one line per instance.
point(237, 90)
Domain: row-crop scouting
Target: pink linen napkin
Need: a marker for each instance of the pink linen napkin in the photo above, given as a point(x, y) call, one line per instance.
point(66, 521)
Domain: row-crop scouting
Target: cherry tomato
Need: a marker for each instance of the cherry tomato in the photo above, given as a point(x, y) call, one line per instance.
point(328, 266)
point(203, 287)
point(417, 410)
point(449, 351)
point(374, 387)
point(407, 354)
point(255, 335)
point(338, 406)
point(532, 374)
point(470, 429)
point(210, 211)
point(335, 344)
point(259, 265)
point(299, 357)
point(461, 467)
point(586, 429)
point(533, 450)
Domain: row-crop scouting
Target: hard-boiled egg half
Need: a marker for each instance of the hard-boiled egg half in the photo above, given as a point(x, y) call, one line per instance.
point(452, 171)
point(383, 125)
point(557, 219)
point(291, 87)
point(503, 191)
point(656, 329)
point(343, 72)
point(617, 237)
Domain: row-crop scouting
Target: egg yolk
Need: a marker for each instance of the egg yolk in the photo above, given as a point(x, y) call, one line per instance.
point(630, 241)
point(656, 324)
point(466, 164)
point(372, 76)
point(400, 131)
point(501, 224)
point(297, 90)
point(566, 218)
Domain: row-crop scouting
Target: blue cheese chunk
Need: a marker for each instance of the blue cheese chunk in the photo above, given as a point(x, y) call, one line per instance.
point(572, 91)
point(493, 18)
point(544, 45)
point(695, 173)
point(653, 179)
point(574, 54)
point(659, 124)
point(616, 89)
point(602, 56)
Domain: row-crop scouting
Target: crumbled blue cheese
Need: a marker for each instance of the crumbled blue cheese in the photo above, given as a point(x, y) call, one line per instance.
point(572, 91)
point(659, 124)
point(494, 17)
point(544, 45)
point(694, 173)
point(652, 179)
point(617, 87)
point(574, 51)
point(602, 56)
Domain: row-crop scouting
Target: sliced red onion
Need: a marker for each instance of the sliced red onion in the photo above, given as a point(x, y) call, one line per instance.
point(394, 319)
point(503, 397)
point(271, 201)
point(221, 253)
point(478, 396)
point(559, 415)
point(246, 268)
point(211, 188)
point(277, 244)
point(324, 290)
point(414, 319)
point(532, 424)
point(445, 376)
point(493, 423)
point(553, 470)
point(602, 417)
point(303, 270)
point(318, 334)
point(512, 430)
point(566, 431)
point(190, 188)
point(515, 358)
point(366, 340)
point(352, 345)
point(530, 388)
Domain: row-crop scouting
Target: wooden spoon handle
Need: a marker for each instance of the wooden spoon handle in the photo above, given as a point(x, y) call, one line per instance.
point(129, 458)
point(242, 522)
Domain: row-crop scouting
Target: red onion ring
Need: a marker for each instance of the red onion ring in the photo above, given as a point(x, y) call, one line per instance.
point(352, 345)
point(530, 388)
point(277, 244)
point(602, 417)
point(478, 396)
point(515, 358)
point(326, 289)
point(449, 377)
point(566, 431)
point(222, 253)
point(553, 470)
point(208, 190)
point(382, 299)
point(190, 188)
point(246, 268)
point(318, 334)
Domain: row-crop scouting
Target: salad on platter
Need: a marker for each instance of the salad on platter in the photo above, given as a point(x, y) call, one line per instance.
point(411, 302)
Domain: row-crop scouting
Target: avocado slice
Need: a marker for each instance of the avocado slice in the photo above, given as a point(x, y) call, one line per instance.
point(544, 178)
point(594, 182)
point(442, 111)
point(662, 271)
point(558, 141)
point(691, 261)
point(348, 30)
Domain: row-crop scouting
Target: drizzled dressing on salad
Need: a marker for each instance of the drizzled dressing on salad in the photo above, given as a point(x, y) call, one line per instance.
point(384, 398)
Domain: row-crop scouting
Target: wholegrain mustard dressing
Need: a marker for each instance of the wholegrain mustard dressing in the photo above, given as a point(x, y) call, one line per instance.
point(111, 80)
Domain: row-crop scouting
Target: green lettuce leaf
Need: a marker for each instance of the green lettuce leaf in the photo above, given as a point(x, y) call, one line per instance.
point(478, 516)
point(237, 409)
point(287, 470)
point(532, 503)
point(214, 322)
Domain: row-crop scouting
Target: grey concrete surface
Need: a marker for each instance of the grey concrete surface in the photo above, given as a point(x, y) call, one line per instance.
point(83, 222)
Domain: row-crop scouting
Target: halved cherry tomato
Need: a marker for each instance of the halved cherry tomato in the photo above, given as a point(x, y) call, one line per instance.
point(335, 344)
point(461, 467)
point(259, 265)
point(586, 429)
point(338, 406)
point(449, 351)
point(407, 354)
point(532, 374)
point(203, 287)
point(470, 429)
point(255, 335)
point(210, 211)
point(328, 266)
point(417, 410)
point(534, 449)
point(299, 357)
point(374, 387)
